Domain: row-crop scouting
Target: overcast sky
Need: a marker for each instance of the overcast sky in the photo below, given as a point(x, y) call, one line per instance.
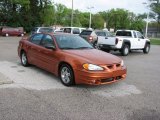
point(135, 6)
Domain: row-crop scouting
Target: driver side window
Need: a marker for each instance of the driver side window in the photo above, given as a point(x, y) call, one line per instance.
point(47, 41)
point(140, 35)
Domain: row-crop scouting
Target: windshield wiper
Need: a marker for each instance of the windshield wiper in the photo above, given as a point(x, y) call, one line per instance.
point(67, 48)
point(84, 48)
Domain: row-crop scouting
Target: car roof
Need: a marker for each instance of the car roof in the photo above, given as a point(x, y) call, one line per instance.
point(128, 30)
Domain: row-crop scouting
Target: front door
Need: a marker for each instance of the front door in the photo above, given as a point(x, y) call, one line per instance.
point(48, 55)
point(141, 40)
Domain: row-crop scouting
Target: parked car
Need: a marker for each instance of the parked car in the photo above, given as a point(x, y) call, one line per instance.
point(103, 35)
point(42, 30)
point(90, 36)
point(8, 31)
point(73, 30)
point(71, 58)
point(125, 41)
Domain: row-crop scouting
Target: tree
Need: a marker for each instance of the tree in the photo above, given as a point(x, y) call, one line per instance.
point(155, 7)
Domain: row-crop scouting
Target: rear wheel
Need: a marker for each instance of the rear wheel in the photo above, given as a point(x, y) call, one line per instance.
point(125, 50)
point(95, 45)
point(146, 48)
point(66, 75)
point(24, 60)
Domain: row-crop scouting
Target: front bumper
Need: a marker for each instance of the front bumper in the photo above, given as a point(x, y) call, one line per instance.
point(100, 77)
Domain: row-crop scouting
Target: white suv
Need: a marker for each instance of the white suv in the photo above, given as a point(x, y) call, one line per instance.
point(73, 30)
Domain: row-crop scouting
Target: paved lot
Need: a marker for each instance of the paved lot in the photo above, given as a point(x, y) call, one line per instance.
point(39, 95)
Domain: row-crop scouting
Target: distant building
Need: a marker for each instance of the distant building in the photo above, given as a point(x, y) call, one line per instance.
point(153, 32)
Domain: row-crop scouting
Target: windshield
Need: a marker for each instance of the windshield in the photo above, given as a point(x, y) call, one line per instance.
point(72, 42)
point(86, 32)
point(104, 34)
point(100, 33)
point(46, 30)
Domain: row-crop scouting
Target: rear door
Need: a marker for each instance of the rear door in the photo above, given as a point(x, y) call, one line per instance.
point(34, 49)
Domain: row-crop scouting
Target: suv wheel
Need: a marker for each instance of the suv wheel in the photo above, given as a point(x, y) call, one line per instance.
point(66, 75)
point(125, 50)
point(146, 48)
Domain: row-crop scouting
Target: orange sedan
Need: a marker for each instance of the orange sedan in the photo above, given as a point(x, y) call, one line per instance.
point(71, 58)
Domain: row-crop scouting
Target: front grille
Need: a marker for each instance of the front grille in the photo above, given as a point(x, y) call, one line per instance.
point(118, 77)
point(111, 79)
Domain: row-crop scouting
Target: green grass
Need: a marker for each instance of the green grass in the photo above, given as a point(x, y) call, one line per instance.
point(155, 41)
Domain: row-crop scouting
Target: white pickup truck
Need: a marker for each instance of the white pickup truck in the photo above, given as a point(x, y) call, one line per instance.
point(125, 41)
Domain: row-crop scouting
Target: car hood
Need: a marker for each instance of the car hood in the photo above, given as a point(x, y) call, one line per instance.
point(94, 56)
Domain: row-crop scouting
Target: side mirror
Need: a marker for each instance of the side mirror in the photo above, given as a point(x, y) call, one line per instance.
point(106, 37)
point(52, 47)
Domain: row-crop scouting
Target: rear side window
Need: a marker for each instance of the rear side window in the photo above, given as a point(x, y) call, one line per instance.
point(124, 33)
point(76, 31)
point(36, 39)
point(85, 32)
point(67, 30)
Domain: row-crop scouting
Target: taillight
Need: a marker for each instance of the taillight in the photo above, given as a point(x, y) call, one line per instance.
point(116, 42)
point(90, 38)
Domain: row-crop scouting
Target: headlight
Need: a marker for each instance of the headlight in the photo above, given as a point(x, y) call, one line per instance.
point(122, 63)
point(92, 67)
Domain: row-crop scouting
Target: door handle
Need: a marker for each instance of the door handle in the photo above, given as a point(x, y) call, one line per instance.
point(139, 39)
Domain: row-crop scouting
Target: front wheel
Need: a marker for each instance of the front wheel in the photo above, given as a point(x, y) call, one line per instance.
point(146, 49)
point(125, 50)
point(66, 75)
point(24, 60)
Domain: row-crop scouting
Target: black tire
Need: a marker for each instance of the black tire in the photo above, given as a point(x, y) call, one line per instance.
point(108, 51)
point(125, 50)
point(146, 48)
point(24, 59)
point(66, 75)
point(95, 45)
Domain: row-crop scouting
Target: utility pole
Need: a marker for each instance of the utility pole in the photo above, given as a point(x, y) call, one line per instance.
point(90, 16)
point(72, 15)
